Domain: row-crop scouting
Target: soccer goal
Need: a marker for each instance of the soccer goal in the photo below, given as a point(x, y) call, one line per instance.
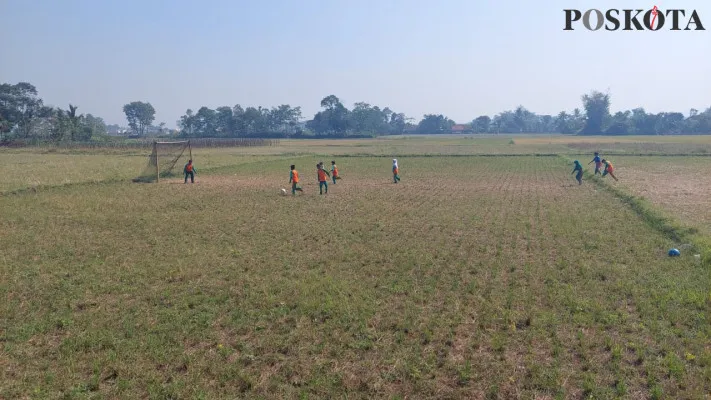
point(163, 159)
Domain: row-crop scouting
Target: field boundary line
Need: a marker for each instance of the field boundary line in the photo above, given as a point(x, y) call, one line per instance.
point(424, 155)
point(645, 154)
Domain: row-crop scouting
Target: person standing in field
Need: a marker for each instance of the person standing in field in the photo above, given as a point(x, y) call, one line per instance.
point(609, 169)
point(294, 180)
point(598, 163)
point(322, 181)
point(189, 170)
point(579, 169)
point(396, 171)
point(334, 172)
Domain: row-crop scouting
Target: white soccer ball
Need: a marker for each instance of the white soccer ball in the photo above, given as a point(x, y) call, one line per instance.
point(283, 192)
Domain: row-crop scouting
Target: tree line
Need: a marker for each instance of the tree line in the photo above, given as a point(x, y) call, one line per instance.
point(595, 119)
point(23, 115)
point(336, 120)
point(237, 121)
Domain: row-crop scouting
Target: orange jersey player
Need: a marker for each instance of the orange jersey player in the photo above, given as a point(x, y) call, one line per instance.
point(294, 180)
point(321, 174)
point(334, 172)
point(189, 171)
point(609, 169)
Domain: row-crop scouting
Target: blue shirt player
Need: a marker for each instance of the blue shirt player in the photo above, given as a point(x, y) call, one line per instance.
point(598, 163)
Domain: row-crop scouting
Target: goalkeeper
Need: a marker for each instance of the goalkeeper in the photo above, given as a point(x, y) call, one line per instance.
point(189, 170)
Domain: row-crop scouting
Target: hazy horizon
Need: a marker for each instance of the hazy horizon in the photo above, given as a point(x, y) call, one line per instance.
point(462, 59)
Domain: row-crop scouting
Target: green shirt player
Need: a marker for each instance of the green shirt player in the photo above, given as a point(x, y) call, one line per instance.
point(579, 169)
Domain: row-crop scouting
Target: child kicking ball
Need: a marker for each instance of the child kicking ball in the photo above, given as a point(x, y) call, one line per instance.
point(294, 181)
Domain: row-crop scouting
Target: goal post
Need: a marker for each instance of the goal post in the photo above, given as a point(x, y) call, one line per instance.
point(163, 159)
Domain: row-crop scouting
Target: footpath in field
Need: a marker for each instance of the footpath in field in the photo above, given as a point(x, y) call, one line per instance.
point(473, 277)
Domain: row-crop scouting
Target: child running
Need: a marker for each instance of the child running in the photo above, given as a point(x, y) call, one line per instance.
point(396, 171)
point(294, 180)
point(579, 169)
point(334, 172)
point(609, 169)
point(598, 163)
point(321, 174)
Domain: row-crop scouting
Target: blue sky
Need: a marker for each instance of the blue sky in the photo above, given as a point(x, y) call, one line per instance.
point(461, 58)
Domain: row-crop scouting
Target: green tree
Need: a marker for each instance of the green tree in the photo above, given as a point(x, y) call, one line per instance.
point(619, 124)
point(206, 122)
point(597, 110)
point(4, 127)
point(524, 120)
point(96, 125)
point(187, 123)
point(334, 119)
point(698, 122)
point(73, 122)
point(331, 102)
point(432, 123)
point(60, 126)
point(506, 122)
point(398, 122)
point(224, 122)
point(562, 123)
point(139, 116)
point(642, 123)
point(284, 118)
point(546, 124)
point(368, 119)
point(669, 123)
point(240, 126)
point(481, 124)
point(20, 108)
point(254, 120)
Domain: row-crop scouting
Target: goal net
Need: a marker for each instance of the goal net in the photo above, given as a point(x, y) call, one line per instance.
point(166, 160)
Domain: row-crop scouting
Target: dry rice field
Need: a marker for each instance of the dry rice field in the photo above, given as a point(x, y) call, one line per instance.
point(479, 276)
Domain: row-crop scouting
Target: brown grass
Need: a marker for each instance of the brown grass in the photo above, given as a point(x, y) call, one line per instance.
point(681, 186)
point(475, 277)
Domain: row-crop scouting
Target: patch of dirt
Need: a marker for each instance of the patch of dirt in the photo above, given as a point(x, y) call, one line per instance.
point(682, 191)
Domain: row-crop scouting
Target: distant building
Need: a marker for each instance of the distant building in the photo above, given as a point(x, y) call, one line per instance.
point(115, 130)
point(462, 128)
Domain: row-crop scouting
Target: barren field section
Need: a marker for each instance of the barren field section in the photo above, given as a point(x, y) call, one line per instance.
point(681, 186)
point(478, 276)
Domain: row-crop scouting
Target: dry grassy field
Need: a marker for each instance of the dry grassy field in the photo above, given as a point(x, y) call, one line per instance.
point(681, 186)
point(486, 273)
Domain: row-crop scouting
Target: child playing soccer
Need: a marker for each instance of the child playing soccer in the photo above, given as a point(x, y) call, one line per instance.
point(396, 171)
point(609, 169)
point(321, 175)
point(294, 180)
point(189, 170)
point(334, 172)
point(579, 169)
point(598, 163)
